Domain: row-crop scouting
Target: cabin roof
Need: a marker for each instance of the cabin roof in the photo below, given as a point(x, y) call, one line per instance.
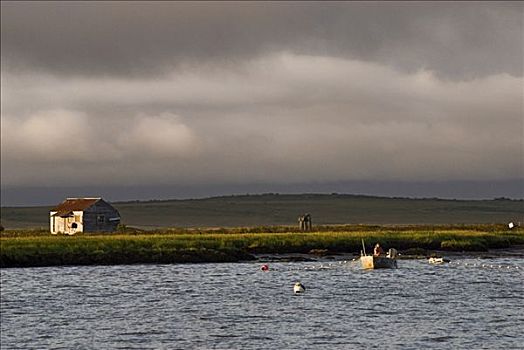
point(74, 204)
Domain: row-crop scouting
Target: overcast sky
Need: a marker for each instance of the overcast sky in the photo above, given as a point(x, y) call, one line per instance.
point(232, 95)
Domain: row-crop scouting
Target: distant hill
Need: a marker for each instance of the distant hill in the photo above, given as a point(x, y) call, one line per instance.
point(283, 209)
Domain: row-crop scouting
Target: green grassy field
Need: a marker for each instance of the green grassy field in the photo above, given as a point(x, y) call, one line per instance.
point(34, 248)
point(274, 209)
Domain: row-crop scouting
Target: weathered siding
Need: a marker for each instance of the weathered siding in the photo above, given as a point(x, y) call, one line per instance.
point(100, 217)
point(69, 224)
point(79, 218)
point(52, 222)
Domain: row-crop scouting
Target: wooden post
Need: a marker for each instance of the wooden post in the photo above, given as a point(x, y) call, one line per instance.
point(309, 225)
point(301, 223)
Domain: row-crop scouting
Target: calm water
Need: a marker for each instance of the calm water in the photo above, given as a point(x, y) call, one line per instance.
point(468, 304)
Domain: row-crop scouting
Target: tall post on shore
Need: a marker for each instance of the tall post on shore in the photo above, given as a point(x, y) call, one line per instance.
point(304, 222)
point(301, 223)
point(307, 219)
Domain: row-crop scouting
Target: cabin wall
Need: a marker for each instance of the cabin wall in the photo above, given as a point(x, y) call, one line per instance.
point(97, 218)
point(70, 224)
point(58, 224)
point(75, 223)
point(52, 221)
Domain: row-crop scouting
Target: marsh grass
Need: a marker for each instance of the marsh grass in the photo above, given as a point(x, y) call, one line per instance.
point(39, 248)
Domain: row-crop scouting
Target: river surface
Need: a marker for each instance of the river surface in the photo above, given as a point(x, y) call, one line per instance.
point(469, 303)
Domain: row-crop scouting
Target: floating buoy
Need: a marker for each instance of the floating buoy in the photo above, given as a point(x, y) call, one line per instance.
point(299, 288)
point(264, 267)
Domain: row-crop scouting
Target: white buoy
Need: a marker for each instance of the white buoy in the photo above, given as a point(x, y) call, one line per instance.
point(299, 288)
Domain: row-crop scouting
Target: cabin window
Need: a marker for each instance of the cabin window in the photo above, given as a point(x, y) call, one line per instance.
point(77, 218)
point(101, 219)
point(74, 225)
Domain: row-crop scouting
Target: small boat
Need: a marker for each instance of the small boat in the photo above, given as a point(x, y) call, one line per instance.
point(436, 261)
point(378, 261)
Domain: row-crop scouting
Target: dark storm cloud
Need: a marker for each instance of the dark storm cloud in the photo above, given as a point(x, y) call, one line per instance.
point(457, 40)
point(312, 118)
point(238, 94)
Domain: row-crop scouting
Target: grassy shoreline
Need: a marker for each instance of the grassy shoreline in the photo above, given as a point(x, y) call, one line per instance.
point(39, 248)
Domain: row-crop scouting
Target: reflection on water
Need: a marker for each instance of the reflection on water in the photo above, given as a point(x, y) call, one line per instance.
point(469, 304)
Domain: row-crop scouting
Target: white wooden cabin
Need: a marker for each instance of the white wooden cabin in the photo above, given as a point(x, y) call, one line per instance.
point(83, 215)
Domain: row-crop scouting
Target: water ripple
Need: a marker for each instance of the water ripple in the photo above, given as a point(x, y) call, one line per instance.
point(236, 306)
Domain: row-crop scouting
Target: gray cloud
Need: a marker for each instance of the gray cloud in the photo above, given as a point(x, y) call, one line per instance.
point(457, 40)
point(313, 119)
point(204, 94)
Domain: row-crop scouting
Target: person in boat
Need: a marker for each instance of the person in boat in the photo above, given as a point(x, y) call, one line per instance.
point(378, 250)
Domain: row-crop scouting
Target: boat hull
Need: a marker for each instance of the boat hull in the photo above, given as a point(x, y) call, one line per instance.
point(377, 262)
point(438, 261)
